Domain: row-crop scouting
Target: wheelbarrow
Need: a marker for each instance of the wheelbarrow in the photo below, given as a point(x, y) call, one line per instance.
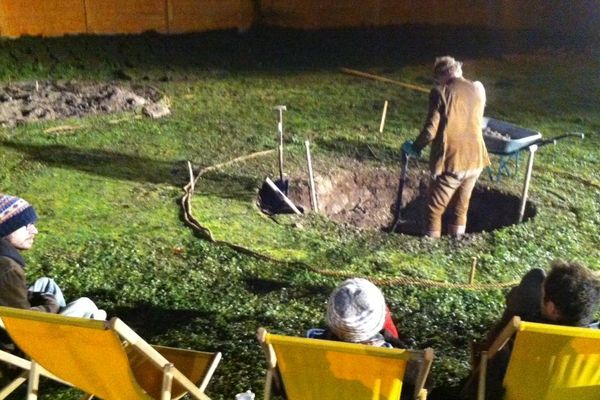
point(509, 140)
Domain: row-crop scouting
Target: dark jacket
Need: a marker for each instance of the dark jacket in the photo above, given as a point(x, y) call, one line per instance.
point(13, 286)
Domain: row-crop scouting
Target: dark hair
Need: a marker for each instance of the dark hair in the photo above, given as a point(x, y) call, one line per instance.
point(574, 290)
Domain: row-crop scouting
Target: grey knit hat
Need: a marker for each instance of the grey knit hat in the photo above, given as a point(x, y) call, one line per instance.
point(356, 311)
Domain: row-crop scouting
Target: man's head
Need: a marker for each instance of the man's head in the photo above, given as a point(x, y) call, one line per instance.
point(356, 311)
point(446, 68)
point(570, 294)
point(17, 217)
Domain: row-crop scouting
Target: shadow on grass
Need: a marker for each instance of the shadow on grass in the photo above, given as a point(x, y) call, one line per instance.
point(148, 320)
point(229, 186)
point(360, 150)
point(105, 163)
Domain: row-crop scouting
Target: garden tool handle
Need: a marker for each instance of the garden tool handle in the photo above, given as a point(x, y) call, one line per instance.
point(405, 157)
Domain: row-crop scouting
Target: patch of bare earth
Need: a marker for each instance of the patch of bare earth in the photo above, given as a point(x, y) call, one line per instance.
point(49, 100)
point(365, 197)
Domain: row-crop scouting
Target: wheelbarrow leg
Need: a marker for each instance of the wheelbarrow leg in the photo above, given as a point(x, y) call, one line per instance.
point(532, 150)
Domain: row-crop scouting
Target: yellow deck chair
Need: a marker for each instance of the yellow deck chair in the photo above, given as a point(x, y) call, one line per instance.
point(328, 370)
point(106, 359)
point(21, 363)
point(548, 362)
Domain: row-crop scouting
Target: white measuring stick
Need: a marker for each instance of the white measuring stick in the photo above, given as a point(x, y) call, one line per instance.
point(383, 117)
point(311, 180)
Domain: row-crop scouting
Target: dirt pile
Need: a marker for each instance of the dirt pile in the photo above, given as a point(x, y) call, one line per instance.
point(365, 197)
point(48, 100)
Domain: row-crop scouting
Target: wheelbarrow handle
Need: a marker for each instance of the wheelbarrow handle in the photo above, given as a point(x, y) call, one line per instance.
point(580, 135)
point(553, 140)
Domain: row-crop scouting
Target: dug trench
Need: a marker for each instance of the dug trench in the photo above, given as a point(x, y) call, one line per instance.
point(365, 198)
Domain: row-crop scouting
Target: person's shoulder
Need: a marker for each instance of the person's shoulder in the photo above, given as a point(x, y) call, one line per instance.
point(8, 264)
point(594, 325)
point(316, 333)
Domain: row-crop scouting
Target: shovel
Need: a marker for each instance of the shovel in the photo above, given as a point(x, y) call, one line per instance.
point(398, 210)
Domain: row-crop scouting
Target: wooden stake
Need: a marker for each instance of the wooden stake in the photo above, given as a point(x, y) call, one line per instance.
point(283, 196)
point(384, 79)
point(473, 269)
point(311, 180)
point(385, 104)
point(191, 176)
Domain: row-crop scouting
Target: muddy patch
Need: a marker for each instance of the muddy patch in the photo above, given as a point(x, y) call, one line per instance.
point(366, 199)
point(49, 100)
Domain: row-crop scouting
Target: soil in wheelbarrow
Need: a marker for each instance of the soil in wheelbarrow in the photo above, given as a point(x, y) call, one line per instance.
point(364, 197)
point(49, 100)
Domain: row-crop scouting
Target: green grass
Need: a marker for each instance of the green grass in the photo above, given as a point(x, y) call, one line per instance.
point(107, 194)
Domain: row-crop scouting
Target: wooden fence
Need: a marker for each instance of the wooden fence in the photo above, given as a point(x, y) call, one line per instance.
point(59, 17)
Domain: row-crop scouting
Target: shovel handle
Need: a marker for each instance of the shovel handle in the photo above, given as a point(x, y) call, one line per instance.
point(398, 209)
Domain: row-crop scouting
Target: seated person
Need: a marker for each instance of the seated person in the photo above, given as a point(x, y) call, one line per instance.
point(568, 295)
point(356, 313)
point(17, 233)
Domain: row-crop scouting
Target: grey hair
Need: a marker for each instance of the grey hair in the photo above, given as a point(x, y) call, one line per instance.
point(446, 67)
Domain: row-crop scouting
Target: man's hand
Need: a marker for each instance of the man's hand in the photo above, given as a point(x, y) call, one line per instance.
point(409, 149)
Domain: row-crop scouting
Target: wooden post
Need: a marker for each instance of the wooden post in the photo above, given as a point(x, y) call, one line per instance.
point(167, 382)
point(191, 176)
point(385, 104)
point(311, 180)
point(33, 382)
point(473, 269)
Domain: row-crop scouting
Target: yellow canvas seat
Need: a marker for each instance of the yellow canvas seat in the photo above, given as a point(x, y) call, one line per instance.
point(106, 359)
point(329, 370)
point(19, 363)
point(547, 362)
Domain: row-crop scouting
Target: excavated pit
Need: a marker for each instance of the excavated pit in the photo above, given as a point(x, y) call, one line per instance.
point(366, 197)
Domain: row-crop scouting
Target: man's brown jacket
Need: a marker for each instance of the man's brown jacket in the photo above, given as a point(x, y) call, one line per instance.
point(453, 127)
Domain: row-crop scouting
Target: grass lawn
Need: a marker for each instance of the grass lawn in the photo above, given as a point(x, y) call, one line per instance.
point(107, 193)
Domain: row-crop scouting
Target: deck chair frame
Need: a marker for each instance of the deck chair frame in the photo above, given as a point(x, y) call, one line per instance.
point(501, 340)
point(170, 373)
point(273, 376)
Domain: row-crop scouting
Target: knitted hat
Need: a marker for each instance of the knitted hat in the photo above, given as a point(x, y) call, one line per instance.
point(14, 214)
point(445, 66)
point(356, 311)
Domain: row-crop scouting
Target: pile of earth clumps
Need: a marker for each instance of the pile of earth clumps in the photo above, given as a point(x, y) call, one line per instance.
point(365, 197)
point(48, 100)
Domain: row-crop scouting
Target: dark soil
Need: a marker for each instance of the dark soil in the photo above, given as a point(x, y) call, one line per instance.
point(366, 198)
point(48, 100)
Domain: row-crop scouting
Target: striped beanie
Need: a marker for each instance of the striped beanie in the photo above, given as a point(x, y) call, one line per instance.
point(356, 311)
point(14, 214)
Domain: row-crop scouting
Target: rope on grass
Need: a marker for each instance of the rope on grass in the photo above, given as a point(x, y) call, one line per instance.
point(207, 234)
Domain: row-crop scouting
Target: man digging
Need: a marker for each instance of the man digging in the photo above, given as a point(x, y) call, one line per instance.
point(458, 153)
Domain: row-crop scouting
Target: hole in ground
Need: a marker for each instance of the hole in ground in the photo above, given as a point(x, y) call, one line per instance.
point(365, 197)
